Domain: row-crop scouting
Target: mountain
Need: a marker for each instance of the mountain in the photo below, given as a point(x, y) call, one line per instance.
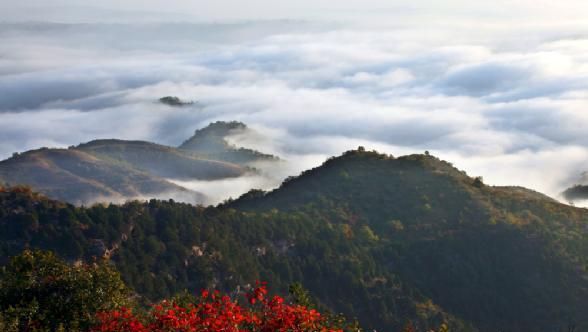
point(79, 177)
point(211, 143)
point(115, 170)
point(384, 239)
point(162, 160)
point(453, 237)
point(174, 101)
point(577, 192)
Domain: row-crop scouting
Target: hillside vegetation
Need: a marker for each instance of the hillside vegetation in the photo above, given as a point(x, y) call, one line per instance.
point(211, 142)
point(113, 170)
point(79, 177)
point(387, 240)
point(162, 161)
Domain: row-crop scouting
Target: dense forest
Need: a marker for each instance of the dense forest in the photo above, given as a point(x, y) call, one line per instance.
point(382, 239)
point(40, 292)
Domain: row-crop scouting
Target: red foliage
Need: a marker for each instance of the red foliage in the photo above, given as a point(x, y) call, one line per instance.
point(215, 313)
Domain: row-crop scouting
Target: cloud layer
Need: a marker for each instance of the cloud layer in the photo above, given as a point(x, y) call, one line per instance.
point(509, 107)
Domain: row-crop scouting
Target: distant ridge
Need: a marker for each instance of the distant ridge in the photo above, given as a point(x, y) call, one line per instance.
point(577, 192)
point(82, 178)
point(174, 101)
point(211, 142)
point(113, 170)
point(161, 160)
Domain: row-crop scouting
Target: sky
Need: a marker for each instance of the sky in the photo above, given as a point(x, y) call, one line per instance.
point(204, 10)
point(500, 89)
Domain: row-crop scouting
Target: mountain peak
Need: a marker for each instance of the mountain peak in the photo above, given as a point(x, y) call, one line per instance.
point(218, 129)
point(412, 178)
point(424, 160)
point(174, 101)
point(211, 142)
point(222, 127)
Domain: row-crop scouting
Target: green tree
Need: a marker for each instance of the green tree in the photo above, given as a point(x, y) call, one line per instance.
point(40, 291)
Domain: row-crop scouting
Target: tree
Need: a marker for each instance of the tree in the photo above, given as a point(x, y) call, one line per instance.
point(40, 291)
point(213, 312)
point(478, 182)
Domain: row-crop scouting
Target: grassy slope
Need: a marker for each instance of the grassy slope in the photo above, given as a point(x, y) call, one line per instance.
point(79, 177)
point(162, 160)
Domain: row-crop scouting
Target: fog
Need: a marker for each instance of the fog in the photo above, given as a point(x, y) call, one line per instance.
point(498, 90)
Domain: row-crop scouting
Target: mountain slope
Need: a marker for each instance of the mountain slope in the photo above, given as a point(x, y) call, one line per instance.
point(82, 178)
point(210, 142)
point(384, 239)
point(163, 247)
point(162, 160)
point(115, 170)
point(578, 192)
point(512, 247)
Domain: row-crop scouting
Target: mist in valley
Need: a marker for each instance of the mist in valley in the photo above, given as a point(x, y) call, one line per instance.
point(403, 79)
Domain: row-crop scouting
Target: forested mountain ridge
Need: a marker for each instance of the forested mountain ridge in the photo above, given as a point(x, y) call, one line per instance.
point(578, 192)
point(380, 238)
point(110, 170)
point(445, 218)
point(211, 142)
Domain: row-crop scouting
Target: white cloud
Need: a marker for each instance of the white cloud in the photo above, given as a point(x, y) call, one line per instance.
point(504, 105)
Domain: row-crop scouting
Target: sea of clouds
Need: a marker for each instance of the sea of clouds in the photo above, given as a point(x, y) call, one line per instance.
point(500, 98)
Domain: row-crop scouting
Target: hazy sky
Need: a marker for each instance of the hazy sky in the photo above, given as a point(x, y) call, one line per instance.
point(271, 9)
point(499, 88)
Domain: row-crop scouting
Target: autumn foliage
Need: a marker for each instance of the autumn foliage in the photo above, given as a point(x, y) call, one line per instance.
point(214, 312)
